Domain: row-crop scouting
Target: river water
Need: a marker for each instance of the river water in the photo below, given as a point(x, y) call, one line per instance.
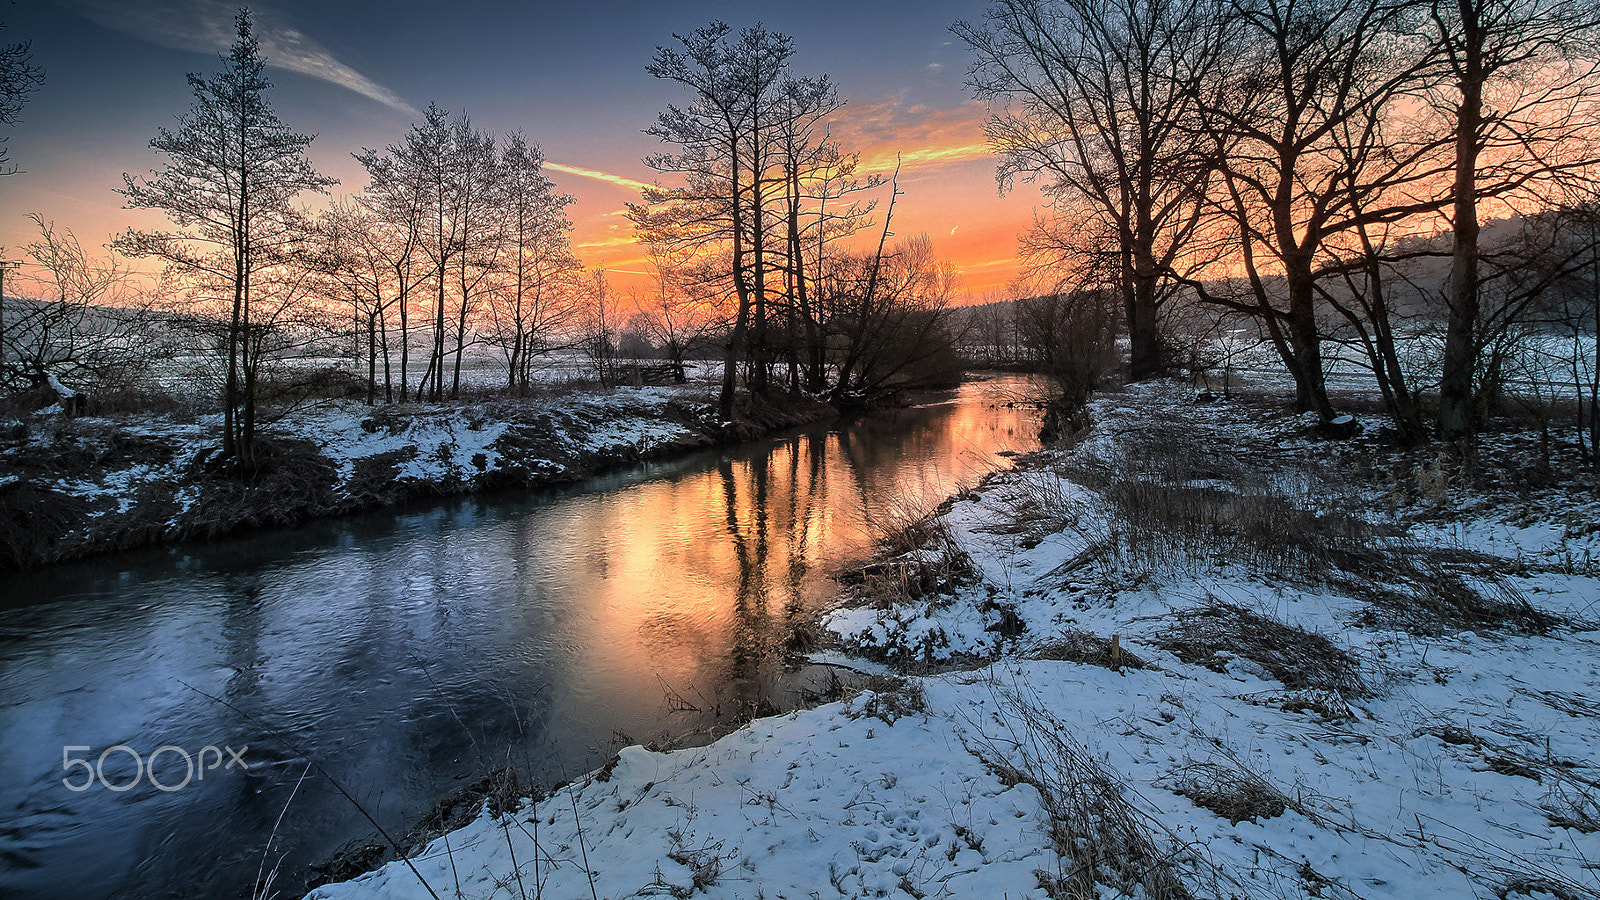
point(409, 652)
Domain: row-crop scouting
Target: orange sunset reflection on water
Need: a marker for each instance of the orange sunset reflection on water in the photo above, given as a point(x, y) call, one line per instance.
point(686, 587)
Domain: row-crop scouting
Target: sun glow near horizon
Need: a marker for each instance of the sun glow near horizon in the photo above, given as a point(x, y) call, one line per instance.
point(946, 173)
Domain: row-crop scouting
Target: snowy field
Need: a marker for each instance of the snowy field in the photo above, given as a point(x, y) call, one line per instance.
point(1541, 367)
point(1388, 693)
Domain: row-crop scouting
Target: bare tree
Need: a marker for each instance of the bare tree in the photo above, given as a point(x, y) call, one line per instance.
point(351, 258)
point(602, 319)
point(1576, 315)
point(394, 199)
point(888, 327)
point(1095, 98)
point(680, 315)
point(1521, 101)
point(1071, 338)
point(1298, 122)
point(727, 147)
point(438, 180)
point(477, 177)
point(233, 170)
point(19, 77)
point(85, 326)
point(536, 294)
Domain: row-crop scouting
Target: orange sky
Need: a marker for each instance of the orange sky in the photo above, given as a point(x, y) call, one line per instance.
point(946, 176)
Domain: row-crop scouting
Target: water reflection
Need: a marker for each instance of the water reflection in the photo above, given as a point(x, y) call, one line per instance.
point(409, 652)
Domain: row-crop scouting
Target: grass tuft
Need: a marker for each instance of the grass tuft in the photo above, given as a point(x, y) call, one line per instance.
point(1212, 634)
point(1088, 648)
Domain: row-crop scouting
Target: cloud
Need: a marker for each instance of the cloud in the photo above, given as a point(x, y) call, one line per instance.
point(925, 157)
point(890, 131)
point(608, 242)
point(208, 26)
point(618, 180)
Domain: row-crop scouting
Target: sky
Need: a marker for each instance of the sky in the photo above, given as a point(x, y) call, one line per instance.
point(570, 75)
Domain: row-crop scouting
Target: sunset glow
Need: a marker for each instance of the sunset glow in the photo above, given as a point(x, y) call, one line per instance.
point(574, 84)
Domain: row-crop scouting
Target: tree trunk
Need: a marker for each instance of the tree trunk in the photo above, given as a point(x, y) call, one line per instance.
point(405, 345)
point(1456, 388)
point(372, 357)
point(1301, 347)
point(1144, 338)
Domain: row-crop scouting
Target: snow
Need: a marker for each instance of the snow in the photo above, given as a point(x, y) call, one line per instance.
point(1460, 773)
point(60, 389)
point(127, 471)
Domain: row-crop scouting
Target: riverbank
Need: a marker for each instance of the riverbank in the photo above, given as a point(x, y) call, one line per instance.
point(76, 487)
point(1200, 653)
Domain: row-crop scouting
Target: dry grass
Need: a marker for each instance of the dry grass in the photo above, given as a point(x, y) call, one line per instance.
point(1088, 648)
point(918, 555)
point(1210, 635)
point(1037, 505)
point(36, 523)
point(1230, 791)
point(1100, 837)
point(1430, 590)
point(291, 481)
point(1573, 806)
point(1179, 498)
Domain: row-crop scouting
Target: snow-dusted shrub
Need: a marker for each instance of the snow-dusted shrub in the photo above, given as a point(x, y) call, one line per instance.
point(889, 697)
point(1088, 648)
point(1230, 791)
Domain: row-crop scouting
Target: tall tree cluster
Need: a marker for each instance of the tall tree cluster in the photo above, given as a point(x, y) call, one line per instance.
point(766, 202)
point(458, 238)
point(1287, 159)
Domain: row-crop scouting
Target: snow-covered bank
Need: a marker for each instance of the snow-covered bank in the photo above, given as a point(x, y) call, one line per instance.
point(76, 486)
point(1196, 655)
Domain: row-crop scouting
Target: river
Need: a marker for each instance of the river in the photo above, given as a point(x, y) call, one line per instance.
point(409, 651)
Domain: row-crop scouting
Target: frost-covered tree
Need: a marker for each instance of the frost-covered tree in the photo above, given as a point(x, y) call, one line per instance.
point(233, 170)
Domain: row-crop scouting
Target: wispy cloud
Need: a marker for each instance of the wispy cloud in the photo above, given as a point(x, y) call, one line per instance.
point(618, 180)
point(914, 136)
point(207, 25)
point(608, 242)
point(925, 156)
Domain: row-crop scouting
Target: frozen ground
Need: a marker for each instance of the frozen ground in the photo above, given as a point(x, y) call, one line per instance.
point(1198, 655)
point(73, 486)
